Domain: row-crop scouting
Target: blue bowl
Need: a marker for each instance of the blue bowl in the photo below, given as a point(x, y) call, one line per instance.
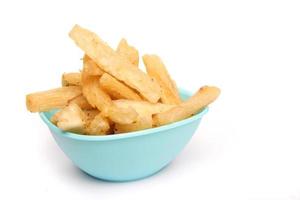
point(130, 156)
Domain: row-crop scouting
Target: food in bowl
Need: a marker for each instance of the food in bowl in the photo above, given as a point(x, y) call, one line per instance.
point(112, 95)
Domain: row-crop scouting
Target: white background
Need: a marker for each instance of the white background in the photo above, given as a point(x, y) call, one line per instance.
point(247, 146)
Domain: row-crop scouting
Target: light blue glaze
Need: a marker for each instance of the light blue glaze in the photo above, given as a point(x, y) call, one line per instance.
point(130, 156)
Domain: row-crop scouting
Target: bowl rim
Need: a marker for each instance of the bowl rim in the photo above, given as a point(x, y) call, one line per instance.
point(75, 136)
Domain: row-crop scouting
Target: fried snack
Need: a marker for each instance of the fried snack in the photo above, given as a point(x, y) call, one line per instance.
point(91, 114)
point(91, 89)
point(116, 65)
point(71, 79)
point(50, 99)
point(71, 118)
point(91, 68)
point(112, 95)
point(117, 89)
point(54, 118)
point(99, 99)
point(202, 98)
point(128, 52)
point(95, 96)
point(81, 102)
point(156, 69)
point(98, 126)
point(143, 122)
point(120, 115)
point(145, 111)
point(143, 107)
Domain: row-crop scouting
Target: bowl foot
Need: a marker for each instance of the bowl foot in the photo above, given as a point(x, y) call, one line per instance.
point(125, 180)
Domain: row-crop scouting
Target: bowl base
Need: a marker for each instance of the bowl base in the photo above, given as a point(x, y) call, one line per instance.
point(125, 180)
